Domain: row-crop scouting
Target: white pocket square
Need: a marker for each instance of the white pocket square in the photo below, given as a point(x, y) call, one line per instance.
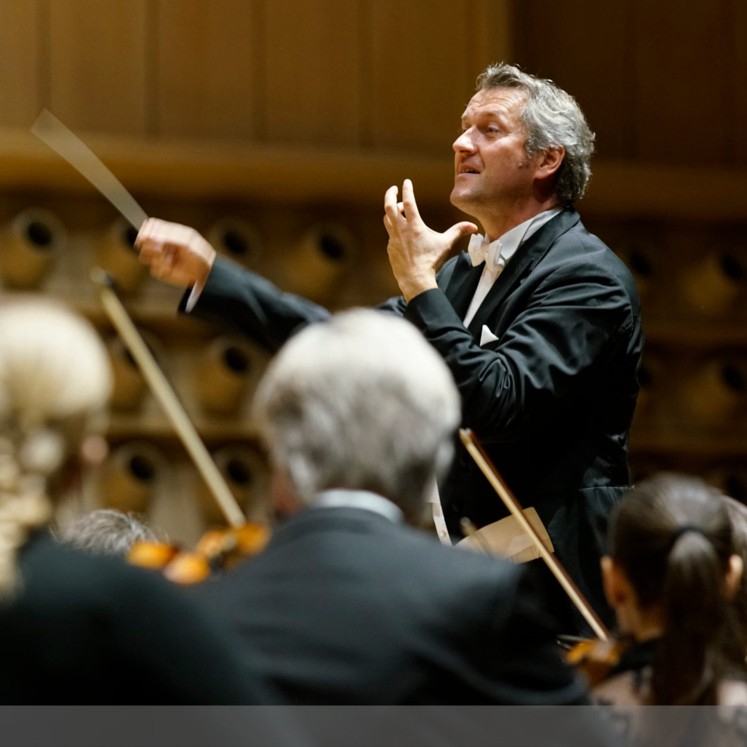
point(486, 335)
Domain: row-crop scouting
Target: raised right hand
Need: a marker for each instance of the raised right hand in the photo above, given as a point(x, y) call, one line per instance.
point(175, 253)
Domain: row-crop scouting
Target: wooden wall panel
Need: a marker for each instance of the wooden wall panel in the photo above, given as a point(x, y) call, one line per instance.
point(682, 81)
point(586, 50)
point(312, 74)
point(20, 73)
point(422, 72)
point(97, 64)
point(739, 89)
point(204, 78)
point(490, 34)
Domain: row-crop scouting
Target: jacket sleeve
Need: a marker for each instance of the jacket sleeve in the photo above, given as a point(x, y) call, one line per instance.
point(239, 299)
point(551, 335)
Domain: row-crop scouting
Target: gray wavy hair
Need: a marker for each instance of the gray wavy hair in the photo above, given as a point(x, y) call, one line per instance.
point(552, 118)
point(362, 402)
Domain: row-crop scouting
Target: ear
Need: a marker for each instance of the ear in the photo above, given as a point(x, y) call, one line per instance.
point(734, 575)
point(615, 584)
point(549, 160)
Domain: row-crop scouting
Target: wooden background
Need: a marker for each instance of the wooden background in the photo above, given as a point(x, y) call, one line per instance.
point(275, 126)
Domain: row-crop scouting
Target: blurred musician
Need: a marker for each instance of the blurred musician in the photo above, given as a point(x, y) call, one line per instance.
point(671, 575)
point(348, 603)
point(76, 629)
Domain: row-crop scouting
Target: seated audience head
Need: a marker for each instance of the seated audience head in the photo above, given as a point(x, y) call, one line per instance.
point(55, 381)
point(106, 531)
point(359, 402)
point(671, 574)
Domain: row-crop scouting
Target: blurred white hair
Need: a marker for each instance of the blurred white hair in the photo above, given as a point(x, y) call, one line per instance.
point(55, 381)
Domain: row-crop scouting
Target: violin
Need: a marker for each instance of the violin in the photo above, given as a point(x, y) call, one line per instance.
point(594, 658)
point(218, 549)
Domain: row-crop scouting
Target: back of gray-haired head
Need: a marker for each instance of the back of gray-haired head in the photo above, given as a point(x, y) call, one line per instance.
point(363, 402)
point(553, 118)
point(107, 531)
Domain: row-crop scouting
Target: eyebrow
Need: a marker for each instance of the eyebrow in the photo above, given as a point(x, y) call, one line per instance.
point(494, 112)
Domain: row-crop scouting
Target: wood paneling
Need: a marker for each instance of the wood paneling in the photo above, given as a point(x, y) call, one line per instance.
point(97, 53)
point(312, 71)
point(586, 49)
point(203, 71)
point(23, 60)
point(683, 79)
point(490, 30)
point(421, 76)
point(739, 88)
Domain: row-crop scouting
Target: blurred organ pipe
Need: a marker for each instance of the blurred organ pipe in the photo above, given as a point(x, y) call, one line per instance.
point(712, 285)
point(30, 244)
point(129, 477)
point(115, 254)
point(245, 471)
point(317, 263)
point(236, 238)
point(714, 392)
point(129, 387)
point(222, 376)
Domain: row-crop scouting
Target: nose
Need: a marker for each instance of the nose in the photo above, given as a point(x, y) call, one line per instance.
point(464, 142)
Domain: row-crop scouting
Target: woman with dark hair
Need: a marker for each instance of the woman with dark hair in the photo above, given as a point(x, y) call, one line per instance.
point(671, 575)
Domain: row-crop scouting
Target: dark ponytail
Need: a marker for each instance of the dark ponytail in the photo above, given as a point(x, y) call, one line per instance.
point(689, 664)
point(672, 536)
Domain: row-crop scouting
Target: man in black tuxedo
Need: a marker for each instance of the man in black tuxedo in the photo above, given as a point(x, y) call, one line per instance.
point(348, 604)
point(538, 321)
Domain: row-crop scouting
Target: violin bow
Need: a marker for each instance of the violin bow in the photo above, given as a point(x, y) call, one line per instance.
point(167, 397)
point(479, 455)
point(69, 146)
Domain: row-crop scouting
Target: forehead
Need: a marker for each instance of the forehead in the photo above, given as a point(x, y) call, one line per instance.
point(503, 102)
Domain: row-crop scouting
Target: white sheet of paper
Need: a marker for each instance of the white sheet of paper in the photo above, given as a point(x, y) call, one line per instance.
point(508, 539)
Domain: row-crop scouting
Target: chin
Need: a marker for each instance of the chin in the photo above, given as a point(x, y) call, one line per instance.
point(463, 202)
point(458, 199)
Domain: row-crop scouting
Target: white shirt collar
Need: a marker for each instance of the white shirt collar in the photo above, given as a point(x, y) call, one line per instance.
point(497, 253)
point(359, 499)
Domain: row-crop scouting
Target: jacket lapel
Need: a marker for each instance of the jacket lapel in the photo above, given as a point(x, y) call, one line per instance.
point(521, 264)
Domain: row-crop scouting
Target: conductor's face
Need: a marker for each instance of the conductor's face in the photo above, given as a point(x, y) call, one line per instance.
point(492, 170)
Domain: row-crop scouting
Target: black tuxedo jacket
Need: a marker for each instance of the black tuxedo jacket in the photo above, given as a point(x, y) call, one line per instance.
point(550, 394)
point(95, 631)
point(345, 606)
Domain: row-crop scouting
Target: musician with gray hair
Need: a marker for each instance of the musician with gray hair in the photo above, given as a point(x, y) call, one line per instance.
point(349, 603)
